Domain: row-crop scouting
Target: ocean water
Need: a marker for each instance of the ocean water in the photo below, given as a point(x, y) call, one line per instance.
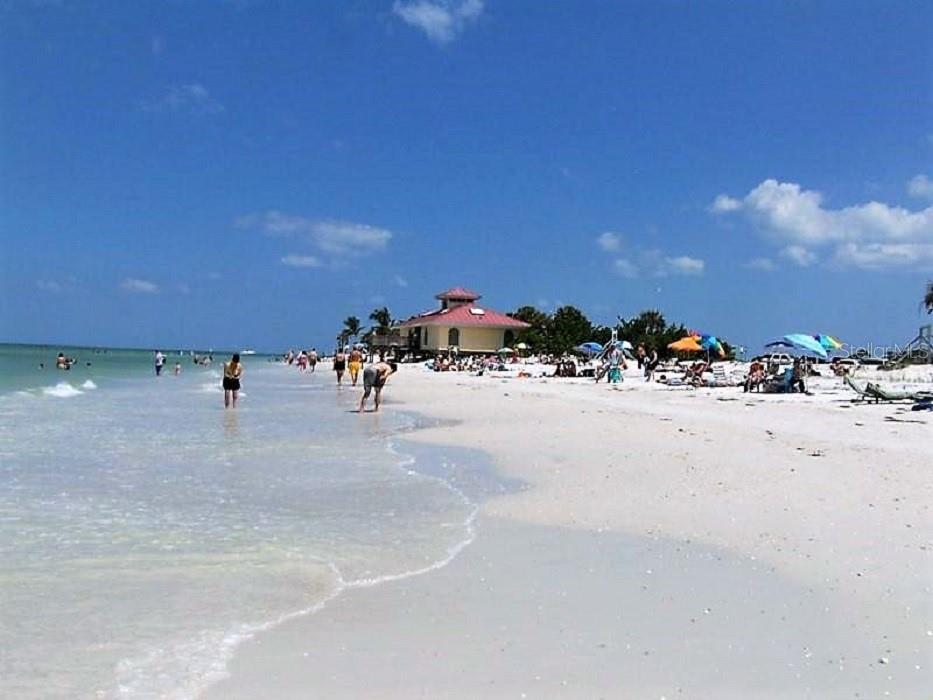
point(145, 531)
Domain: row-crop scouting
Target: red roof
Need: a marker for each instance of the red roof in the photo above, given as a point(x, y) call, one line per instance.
point(465, 315)
point(458, 293)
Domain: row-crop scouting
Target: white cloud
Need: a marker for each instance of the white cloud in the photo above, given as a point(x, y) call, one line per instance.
point(338, 239)
point(799, 255)
point(400, 281)
point(192, 98)
point(49, 286)
point(625, 268)
point(764, 264)
point(725, 203)
point(656, 263)
point(653, 262)
point(441, 20)
point(876, 256)
point(344, 238)
point(293, 260)
point(798, 219)
point(920, 186)
point(138, 286)
point(684, 265)
point(609, 242)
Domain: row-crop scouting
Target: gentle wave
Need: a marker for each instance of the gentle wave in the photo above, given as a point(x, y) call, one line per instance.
point(62, 390)
point(205, 661)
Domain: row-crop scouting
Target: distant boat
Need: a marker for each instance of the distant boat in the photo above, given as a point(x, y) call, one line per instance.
point(247, 352)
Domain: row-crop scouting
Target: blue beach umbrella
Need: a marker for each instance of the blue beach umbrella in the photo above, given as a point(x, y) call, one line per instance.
point(590, 348)
point(711, 343)
point(806, 342)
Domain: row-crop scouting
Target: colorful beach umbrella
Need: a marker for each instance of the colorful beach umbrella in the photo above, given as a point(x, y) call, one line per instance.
point(690, 343)
point(806, 342)
point(711, 343)
point(828, 342)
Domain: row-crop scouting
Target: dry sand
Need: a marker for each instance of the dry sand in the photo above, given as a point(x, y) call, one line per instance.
point(667, 543)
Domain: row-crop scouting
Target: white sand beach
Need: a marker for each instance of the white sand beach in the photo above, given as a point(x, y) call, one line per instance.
point(666, 543)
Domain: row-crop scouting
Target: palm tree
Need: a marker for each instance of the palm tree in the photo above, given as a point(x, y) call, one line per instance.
point(351, 328)
point(928, 298)
point(382, 318)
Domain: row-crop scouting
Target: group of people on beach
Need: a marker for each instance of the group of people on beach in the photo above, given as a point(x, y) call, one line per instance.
point(374, 376)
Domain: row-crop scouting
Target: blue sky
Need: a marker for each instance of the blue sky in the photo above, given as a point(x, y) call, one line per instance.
point(249, 173)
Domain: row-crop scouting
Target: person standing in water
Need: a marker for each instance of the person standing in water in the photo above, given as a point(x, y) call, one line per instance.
point(355, 364)
point(233, 370)
point(374, 378)
point(159, 362)
point(340, 365)
point(312, 359)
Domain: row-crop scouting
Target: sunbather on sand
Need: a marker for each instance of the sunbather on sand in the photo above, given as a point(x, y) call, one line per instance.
point(695, 372)
point(756, 376)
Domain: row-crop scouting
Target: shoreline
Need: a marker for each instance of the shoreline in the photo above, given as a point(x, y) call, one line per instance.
point(792, 495)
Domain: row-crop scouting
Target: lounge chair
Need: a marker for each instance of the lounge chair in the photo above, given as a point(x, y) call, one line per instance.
point(780, 384)
point(720, 378)
point(873, 392)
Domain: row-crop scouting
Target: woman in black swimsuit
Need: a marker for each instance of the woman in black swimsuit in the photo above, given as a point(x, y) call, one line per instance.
point(340, 365)
point(233, 370)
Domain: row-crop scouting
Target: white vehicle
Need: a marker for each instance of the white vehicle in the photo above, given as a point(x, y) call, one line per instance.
point(778, 358)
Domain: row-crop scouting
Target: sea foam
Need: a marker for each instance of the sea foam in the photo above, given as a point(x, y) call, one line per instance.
point(62, 390)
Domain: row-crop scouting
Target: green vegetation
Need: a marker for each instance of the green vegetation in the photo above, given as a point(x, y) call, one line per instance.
point(383, 320)
point(568, 327)
point(351, 329)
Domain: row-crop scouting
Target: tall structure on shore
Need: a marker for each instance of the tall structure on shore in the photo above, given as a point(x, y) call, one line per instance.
point(460, 323)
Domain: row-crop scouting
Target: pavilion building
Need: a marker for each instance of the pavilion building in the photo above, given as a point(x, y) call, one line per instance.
point(460, 323)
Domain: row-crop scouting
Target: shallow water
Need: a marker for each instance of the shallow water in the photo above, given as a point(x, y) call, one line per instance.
point(145, 530)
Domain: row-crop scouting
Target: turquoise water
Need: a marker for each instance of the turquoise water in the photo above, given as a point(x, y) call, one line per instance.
point(33, 366)
point(145, 531)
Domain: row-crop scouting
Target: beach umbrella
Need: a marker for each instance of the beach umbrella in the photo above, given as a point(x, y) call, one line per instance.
point(689, 343)
point(711, 343)
point(828, 342)
point(505, 351)
point(521, 346)
point(626, 345)
point(589, 348)
point(806, 342)
point(779, 344)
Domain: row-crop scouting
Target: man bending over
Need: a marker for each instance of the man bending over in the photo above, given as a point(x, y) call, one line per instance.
point(374, 378)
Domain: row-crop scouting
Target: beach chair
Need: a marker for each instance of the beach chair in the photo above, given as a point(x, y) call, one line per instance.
point(781, 384)
point(720, 378)
point(874, 392)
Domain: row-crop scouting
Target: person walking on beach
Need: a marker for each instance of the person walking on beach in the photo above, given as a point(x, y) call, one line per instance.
point(340, 365)
point(312, 359)
point(233, 370)
point(355, 364)
point(374, 379)
point(651, 364)
point(159, 362)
